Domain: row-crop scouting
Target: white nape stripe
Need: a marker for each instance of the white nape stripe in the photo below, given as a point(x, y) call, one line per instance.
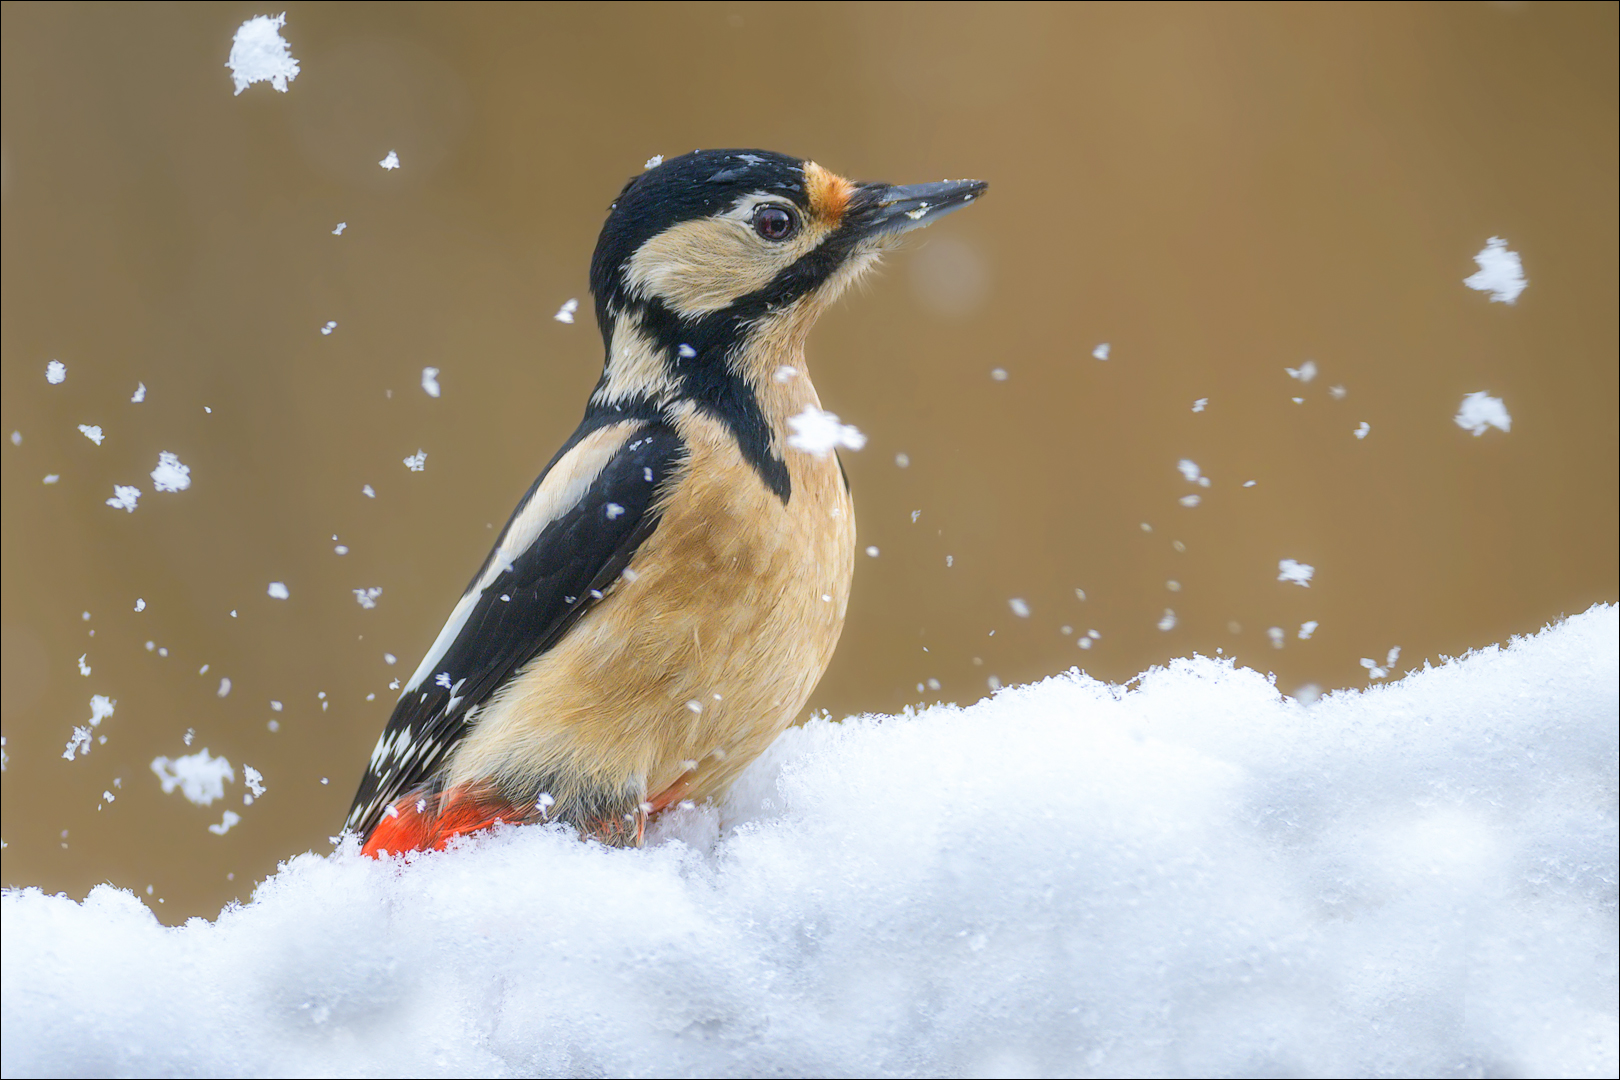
point(560, 492)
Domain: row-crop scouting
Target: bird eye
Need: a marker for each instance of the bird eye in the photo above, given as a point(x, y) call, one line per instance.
point(775, 223)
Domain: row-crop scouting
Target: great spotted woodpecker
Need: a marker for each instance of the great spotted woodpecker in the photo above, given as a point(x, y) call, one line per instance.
point(669, 591)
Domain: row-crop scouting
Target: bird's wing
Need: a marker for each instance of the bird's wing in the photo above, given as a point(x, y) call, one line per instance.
point(566, 544)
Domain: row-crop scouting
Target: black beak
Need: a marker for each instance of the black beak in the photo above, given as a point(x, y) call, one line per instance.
point(891, 209)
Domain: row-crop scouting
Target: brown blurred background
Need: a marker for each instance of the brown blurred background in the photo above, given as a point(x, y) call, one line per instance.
point(1218, 192)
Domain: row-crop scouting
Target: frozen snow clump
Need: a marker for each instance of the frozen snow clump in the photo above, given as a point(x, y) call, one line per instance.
point(170, 475)
point(1500, 272)
point(819, 433)
point(1294, 571)
point(124, 497)
point(55, 372)
point(1186, 875)
point(1479, 411)
point(200, 777)
point(260, 54)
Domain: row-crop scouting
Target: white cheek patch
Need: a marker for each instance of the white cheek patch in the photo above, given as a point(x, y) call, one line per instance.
point(702, 266)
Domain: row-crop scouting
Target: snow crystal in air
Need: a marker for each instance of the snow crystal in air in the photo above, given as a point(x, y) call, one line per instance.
point(685, 351)
point(785, 373)
point(51, 478)
point(1304, 373)
point(903, 461)
point(1337, 393)
point(278, 590)
point(998, 374)
point(1480, 411)
point(1191, 473)
point(1306, 629)
point(330, 326)
point(84, 668)
point(1101, 351)
point(1500, 273)
point(1297, 572)
point(819, 433)
point(200, 777)
point(367, 598)
point(101, 707)
point(260, 54)
point(368, 491)
point(78, 743)
point(1167, 621)
point(1276, 634)
point(1190, 500)
point(92, 432)
point(1019, 606)
point(224, 687)
point(1362, 429)
point(1198, 406)
point(230, 819)
point(16, 438)
point(613, 510)
point(124, 497)
point(1375, 670)
point(1248, 483)
point(391, 161)
point(565, 314)
point(430, 381)
point(417, 461)
point(55, 372)
point(654, 161)
point(139, 395)
point(872, 552)
point(140, 605)
point(340, 227)
point(170, 475)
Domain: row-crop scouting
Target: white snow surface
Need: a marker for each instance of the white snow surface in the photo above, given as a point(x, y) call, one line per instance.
point(1195, 876)
point(260, 54)
point(1500, 273)
point(1479, 411)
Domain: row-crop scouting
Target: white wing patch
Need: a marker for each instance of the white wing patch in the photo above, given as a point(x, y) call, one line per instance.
point(562, 489)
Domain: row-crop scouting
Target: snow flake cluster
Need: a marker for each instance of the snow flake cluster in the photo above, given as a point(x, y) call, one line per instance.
point(819, 433)
point(260, 54)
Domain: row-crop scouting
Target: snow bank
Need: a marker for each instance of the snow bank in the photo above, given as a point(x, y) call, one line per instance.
point(1195, 876)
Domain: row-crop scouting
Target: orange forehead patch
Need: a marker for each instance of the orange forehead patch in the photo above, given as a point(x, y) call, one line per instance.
point(829, 193)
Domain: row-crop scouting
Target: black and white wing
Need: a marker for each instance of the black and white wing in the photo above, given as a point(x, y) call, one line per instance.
point(565, 545)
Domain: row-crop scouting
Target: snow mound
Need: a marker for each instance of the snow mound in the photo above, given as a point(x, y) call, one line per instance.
point(1192, 876)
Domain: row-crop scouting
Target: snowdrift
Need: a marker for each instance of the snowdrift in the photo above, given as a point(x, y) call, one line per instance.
point(1189, 876)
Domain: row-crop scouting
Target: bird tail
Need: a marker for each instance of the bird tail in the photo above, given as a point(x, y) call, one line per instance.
point(427, 820)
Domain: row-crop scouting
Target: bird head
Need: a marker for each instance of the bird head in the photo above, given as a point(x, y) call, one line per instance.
point(713, 264)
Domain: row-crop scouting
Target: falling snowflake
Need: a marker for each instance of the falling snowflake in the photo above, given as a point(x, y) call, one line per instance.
point(260, 54)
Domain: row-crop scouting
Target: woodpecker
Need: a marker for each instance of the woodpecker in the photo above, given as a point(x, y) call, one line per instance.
point(670, 589)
